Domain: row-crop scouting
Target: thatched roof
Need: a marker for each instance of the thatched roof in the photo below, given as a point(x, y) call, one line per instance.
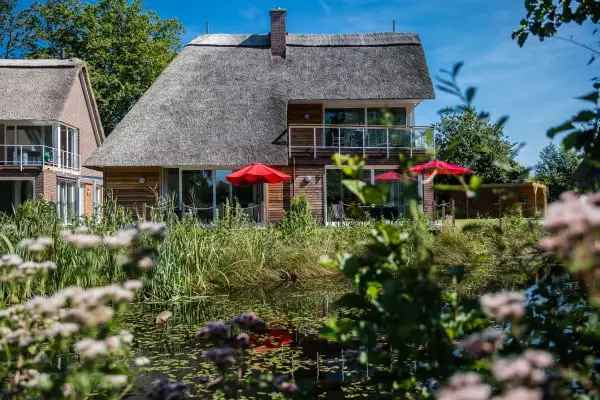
point(38, 90)
point(223, 100)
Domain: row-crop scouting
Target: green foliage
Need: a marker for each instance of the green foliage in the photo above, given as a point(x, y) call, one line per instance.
point(467, 139)
point(395, 297)
point(298, 220)
point(545, 17)
point(582, 131)
point(15, 32)
point(125, 47)
point(193, 260)
point(556, 169)
point(489, 256)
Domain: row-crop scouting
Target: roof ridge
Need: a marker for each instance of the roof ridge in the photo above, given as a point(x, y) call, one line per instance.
point(309, 39)
point(41, 63)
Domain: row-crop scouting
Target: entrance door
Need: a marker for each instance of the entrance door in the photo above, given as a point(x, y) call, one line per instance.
point(13, 193)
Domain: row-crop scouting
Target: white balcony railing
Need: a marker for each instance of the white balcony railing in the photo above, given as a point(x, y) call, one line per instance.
point(27, 156)
point(382, 141)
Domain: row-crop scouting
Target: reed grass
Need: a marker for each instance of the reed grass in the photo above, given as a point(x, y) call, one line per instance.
point(194, 260)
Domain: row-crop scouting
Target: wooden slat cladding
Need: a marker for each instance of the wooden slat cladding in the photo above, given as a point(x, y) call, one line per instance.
point(428, 198)
point(311, 114)
point(278, 198)
point(305, 114)
point(308, 182)
point(133, 188)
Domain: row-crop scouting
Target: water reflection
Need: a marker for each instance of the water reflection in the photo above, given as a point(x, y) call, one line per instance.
point(290, 346)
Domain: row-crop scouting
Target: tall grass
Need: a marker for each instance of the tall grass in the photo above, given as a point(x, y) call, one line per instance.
point(196, 261)
point(193, 261)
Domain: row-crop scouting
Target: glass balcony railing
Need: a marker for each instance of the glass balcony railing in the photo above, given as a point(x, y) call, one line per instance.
point(27, 156)
point(382, 141)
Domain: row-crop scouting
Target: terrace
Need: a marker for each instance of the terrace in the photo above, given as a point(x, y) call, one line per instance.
point(32, 146)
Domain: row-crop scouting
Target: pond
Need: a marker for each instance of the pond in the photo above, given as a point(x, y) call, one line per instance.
point(289, 347)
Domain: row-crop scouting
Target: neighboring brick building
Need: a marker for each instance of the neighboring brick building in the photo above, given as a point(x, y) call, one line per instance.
point(49, 124)
point(290, 101)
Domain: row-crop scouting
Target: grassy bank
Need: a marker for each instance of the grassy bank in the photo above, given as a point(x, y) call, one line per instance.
point(193, 261)
point(196, 261)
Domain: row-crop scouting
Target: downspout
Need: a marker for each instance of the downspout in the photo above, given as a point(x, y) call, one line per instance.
point(293, 177)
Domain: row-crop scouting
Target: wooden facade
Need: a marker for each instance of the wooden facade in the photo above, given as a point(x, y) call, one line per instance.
point(134, 188)
point(498, 200)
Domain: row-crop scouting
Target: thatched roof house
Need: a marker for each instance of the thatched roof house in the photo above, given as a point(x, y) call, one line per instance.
point(49, 123)
point(223, 100)
point(282, 99)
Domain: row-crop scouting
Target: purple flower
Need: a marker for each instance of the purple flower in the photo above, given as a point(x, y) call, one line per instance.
point(483, 343)
point(284, 386)
point(249, 320)
point(221, 356)
point(213, 329)
point(243, 340)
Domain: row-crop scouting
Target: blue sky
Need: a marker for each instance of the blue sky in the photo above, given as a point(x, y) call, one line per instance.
point(535, 86)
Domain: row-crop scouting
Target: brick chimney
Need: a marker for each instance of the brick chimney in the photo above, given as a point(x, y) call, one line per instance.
point(278, 33)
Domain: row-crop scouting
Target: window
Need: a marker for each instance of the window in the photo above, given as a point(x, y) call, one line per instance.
point(386, 116)
point(344, 137)
point(14, 193)
point(197, 193)
point(386, 123)
point(205, 193)
point(172, 181)
point(69, 147)
point(341, 203)
point(66, 200)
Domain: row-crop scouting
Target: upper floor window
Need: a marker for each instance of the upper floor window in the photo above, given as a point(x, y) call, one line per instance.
point(374, 116)
point(36, 145)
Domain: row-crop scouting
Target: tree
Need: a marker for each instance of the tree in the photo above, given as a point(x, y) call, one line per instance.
point(15, 32)
point(556, 169)
point(125, 47)
point(543, 19)
point(466, 139)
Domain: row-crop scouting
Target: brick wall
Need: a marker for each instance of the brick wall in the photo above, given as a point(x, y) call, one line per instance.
point(278, 33)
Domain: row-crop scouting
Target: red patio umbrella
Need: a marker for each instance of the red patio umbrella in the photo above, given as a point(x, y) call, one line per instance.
point(391, 177)
point(257, 173)
point(436, 167)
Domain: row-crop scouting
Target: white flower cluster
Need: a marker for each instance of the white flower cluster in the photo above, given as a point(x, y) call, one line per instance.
point(528, 368)
point(13, 267)
point(36, 245)
point(30, 378)
point(520, 376)
point(63, 314)
point(571, 221)
point(90, 349)
point(503, 306)
point(123, 239)
point(465, 386)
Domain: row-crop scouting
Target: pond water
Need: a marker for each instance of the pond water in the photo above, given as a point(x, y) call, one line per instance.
point(290, 346)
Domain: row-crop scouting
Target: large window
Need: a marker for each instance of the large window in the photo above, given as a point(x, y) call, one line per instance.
point(341, 203)
point(67, 197)
point(385, 124)
point(205, 193)
point(69, 147)
point(13, 193)
point(24, 144)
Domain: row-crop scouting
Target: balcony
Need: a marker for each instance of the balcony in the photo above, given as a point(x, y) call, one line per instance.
point(37, 156)
point(381, 142)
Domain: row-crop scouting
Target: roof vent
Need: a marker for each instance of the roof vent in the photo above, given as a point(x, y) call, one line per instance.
point(278, 32)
